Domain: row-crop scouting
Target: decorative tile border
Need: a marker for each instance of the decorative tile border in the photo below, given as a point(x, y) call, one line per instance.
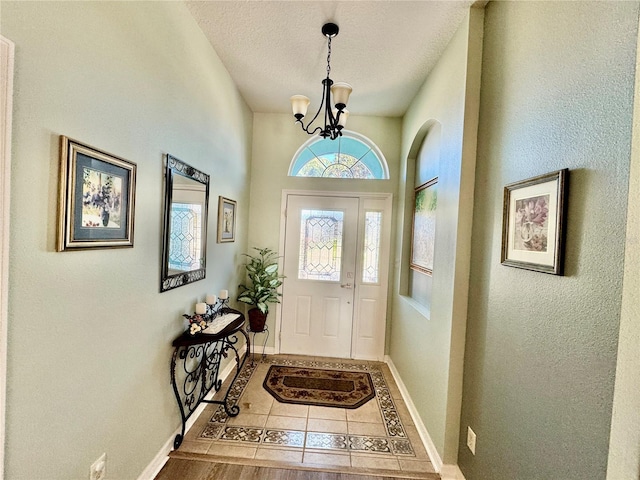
point(284, 438)
point(396, 443)
point(312, 440)
point(220, 416)
point(328, 441)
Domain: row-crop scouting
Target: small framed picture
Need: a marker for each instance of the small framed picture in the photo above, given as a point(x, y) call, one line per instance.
point(533, 223)
point(96, 198)
point(226, 220)
point(423, 237)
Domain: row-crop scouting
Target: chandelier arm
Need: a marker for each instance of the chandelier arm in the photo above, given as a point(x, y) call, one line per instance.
point(324, 90)
point(306, 129)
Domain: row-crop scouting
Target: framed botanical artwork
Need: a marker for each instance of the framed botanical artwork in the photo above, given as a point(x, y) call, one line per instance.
point(423, 237)
point(96, 198)
point(533, 223)
point(226, 220)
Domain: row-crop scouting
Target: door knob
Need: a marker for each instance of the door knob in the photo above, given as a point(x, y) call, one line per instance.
point(346, 285)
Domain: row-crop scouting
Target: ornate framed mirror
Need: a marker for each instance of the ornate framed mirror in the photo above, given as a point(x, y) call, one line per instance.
point(184, 244)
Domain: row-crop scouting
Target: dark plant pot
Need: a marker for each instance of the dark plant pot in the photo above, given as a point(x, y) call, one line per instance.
point(105, 218)
point(257, 320)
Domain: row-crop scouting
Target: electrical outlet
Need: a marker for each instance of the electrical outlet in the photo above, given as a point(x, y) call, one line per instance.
point(98, 470)
point(471, 440)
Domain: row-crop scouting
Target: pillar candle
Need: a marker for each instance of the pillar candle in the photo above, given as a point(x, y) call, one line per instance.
point(211, 299)
point(201, 308)
point(224, 294)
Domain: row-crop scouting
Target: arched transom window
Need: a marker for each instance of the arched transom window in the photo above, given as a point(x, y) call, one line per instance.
point(349, 156)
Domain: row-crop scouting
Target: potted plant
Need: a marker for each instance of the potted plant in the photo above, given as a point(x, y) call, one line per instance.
point(262, 270)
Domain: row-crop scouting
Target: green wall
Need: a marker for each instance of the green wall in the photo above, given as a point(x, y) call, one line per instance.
point(89, 332)
point(276, 139)
point(624, 454)
point(427, 345)
point(557, 92)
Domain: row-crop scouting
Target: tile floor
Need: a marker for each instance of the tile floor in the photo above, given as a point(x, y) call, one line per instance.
point(377, 437)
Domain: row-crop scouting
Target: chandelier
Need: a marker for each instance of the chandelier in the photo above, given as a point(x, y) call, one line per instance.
point(335, 117)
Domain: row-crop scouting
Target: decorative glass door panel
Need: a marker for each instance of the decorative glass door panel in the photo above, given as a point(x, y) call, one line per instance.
point(371, 247)
point(185, 242)
point(320, 245)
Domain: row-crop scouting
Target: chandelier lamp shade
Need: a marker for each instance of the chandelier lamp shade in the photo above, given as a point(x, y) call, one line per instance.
point(335, 96)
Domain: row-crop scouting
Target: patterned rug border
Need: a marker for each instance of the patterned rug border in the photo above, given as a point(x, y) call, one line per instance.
point(274, 386)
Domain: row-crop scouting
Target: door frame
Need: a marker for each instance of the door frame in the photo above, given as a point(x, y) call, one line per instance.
point(281, 243)
point(7, 49)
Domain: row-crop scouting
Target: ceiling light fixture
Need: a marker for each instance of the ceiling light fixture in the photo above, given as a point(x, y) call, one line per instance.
point(335, 117)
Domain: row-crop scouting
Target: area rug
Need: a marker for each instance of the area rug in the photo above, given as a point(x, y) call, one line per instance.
point(321, 387)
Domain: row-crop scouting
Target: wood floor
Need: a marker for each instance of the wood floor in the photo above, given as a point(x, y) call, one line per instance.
point(182, 469)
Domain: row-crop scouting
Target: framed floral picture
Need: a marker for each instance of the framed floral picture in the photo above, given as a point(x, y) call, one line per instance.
point(533, 223)
point(96, 198)
point(226, 220)
point(423, 236)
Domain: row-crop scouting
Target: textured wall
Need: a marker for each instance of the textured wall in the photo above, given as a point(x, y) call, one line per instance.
point(89, 334)
point(624, 447)
point(557, 92)
point(427, 345)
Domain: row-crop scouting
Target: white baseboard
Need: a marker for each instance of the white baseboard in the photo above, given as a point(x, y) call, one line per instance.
point(447, 472)
point(257, 350)
point(150, 472)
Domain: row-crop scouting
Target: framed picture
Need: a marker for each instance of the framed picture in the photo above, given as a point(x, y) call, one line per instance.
point(423, 237)
point(226, 220)
point(96, 198)
point(533, 223)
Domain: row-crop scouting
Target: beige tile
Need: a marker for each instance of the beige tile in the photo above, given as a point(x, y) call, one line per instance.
point(326, 459)
point(256, 402)
point(225, 450)
point(286, 423)
point(403, 411)
point(416, 443)
point(280, 455)
point(289, 410)
point(422, 466)
point(200, 446)
point(369, 429)
point(327, 426)
point(248, 420)
point(327, 413)
point(369, 412)
point(375, 462)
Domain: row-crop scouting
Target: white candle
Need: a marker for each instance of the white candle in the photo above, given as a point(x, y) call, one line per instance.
point(224, 294)
point(201, 308)
point(211, 299)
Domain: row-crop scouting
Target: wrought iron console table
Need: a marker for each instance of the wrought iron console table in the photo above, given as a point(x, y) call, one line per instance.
point(195, 366)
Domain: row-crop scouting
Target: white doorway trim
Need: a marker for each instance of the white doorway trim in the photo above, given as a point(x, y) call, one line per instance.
point(7, 50)
point(283, 222)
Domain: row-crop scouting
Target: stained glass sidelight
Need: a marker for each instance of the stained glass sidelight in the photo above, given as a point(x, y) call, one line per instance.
point(320, 245)
point(371, 250)
point(186, 249)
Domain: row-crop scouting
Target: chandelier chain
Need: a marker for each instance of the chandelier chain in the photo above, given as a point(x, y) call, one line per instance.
point(329, 58)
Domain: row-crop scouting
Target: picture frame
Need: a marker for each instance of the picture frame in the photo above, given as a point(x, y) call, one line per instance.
point(423, 234)
point(533, 223)
point(226, 220)
point(96, 198)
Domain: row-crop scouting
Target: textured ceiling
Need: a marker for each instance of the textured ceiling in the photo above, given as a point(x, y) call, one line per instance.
point(275, 49)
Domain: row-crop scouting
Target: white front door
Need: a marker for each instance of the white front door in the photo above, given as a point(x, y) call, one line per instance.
point(336, 253)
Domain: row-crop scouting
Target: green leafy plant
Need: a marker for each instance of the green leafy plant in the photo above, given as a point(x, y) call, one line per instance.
point(262, 270)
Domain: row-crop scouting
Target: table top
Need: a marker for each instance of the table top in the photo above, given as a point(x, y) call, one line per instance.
point(186, 339)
